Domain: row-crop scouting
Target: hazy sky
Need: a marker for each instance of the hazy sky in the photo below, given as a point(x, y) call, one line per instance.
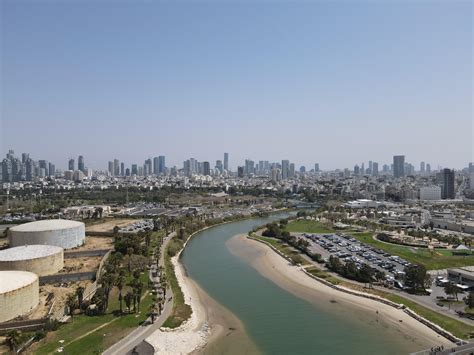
point(334, 82)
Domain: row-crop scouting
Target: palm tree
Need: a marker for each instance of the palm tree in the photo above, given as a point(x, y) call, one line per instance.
point(107, 283)
point(71, 303)
point(13, 339)
point(120, 283)
point(128, 300)
point(138, 289)
point(80, 295)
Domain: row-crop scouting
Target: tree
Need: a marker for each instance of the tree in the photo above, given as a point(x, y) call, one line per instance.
point(147, 239)
point(416, 277)
point(71, 303)
point(451, 290)
point(13, 339)
point(470, 299)
point(80, 295)
point(138, 289)
point(128, 300)
point(120, 283)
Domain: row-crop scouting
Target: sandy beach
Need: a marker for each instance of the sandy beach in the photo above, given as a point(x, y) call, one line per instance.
point(291, 278)
point(212, 329)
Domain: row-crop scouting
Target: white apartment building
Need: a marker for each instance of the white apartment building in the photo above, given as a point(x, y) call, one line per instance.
point(430, 193)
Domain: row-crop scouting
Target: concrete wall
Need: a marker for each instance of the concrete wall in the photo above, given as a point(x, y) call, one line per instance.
point(65, 238)
point(19, 302)
point(48, 265)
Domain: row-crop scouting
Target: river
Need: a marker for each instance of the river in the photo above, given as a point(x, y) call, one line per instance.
point(277, 321)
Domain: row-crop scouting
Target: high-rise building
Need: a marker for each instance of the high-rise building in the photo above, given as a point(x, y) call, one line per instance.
point(226, 161)
point(71, 165)
point(446, 181)
point(116, 167)
point(285, 169)
point(43, 164)
point(122, 169)
point(219, 166)
point(428, 168)
point(471, 180)
point(249, 167)
point(206, 168)
point(134, 169)
point(111, 168)
point(375, 169)
point(316, 168)
point(292, 170)
point(471, 168)
point(240, 171)
point(398, 166)
point(356, 170)
point(148, 167)
point(302, 169)
point(52, 169)
point(156, 170)
point(161, 164)
point(80, 163)
point(422, 167)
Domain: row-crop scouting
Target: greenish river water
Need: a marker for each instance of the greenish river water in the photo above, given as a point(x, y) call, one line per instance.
point(277, 321)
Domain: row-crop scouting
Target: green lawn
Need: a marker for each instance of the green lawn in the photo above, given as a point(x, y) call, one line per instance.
point(459, 329)
point(304, 226)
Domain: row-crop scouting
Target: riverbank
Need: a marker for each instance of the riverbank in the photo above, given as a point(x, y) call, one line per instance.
point(291, 278)
point(210, 329)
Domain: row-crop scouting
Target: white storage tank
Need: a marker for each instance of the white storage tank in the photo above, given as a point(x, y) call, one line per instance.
point(59, 232)
point(41, 259)
point(19, 293)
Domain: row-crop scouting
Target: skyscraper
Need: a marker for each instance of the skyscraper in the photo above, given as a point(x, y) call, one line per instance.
point(316, 168)
point(446, 181)
point(156, 164)
point(111, 168)
point(71, 165)
point(161, 164)
point(422, 167)
point(206, 167)
point(116, 167)
point(226, 161)
point(285, 169)
point(375, 169)
point(428, 168)
point(80, 163)
point(398, 166)
point(219, 166)
point(122, 169)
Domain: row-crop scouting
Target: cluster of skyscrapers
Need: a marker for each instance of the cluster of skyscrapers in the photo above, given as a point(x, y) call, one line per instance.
point(25, 169)
point(155, 166)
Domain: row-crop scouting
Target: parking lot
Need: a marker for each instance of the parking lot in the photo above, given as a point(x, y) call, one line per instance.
point(347, 248)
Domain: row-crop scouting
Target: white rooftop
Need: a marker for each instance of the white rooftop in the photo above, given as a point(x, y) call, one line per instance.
point(28, 252)
point(46, 225)
point(13, 280)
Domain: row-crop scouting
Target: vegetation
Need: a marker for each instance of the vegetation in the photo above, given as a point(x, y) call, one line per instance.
point(304, 226)
point(456, 327)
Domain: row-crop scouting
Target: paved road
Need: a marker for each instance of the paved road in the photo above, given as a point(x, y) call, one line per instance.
point(134, 342)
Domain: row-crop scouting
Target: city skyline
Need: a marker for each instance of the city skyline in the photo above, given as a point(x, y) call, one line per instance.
point(287, 82)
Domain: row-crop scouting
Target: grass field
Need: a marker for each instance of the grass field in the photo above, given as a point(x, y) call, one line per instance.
point(438, 259)
point(303, 226)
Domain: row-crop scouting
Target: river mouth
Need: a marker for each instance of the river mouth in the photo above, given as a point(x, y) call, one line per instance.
point(279, 319)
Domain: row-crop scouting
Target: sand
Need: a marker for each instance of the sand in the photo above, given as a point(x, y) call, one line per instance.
point(212, 329)
point(291, 278)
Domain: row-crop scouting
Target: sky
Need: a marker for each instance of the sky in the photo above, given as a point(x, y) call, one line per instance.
point(334, 82)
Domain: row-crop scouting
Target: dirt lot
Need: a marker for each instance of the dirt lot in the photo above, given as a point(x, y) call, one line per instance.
point(96, 243)
point(109, 225)
point(60, 295)
point(81, 264)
